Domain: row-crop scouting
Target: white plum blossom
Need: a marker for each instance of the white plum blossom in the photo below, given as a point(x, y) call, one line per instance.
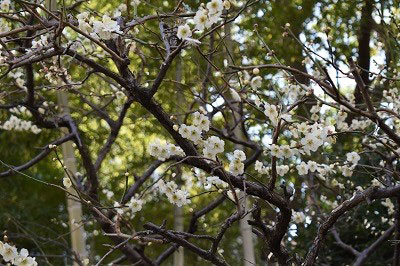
point(215, 6)
point(212, 146)
point(184, 131)
point(282, 170)
point(276, 150)
point(174, 150)
point(347, 170)
point(105, 38)
point(312, 166)
point(40, 43)
point(236, 166)
point(8, 252)
point(67, 182)
point(239, 154)
point(194, 133)
point(175, 196)
point(17, 124)
point(302, 168)
point(336, 183)
point(109, 194)
point(256, 82)
point(24, 260)
point(83, 24)
point(159, 150)
point(286, 151)
point(272, 113)
point(302, 127)
point(299, 217)
point(83, 16)
point(200, 19)
point(119, 208)
point(135, 205)
point(105, 29)
point(110, 25)
point(214, 180)
point(163, 151)
point(35, 129)
point(213, 18)
point(207, 186)
point(311, 142)
point(353, 157)
point(388, 204)
point(377, 183)
point(201, 121)
point(179, 198)
point(260, 168)
point(184, 32)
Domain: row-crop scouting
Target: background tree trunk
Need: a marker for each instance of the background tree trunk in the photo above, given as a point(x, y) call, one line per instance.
point(245, 228)
point(179, 259)
point(364, 49)
point(78, 241)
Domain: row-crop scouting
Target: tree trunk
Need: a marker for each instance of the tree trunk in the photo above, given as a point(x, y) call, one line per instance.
point(74, 207)
point(178, 222)
point(245, 228)
point(364, 50)
point(78, 242)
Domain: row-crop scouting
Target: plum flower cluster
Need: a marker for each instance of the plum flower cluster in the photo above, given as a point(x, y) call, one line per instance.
point(315, 136)
point(17, 124)
point(204, 18)
point(303, 168)
point(236, 166)
point(18, 79)
point(133, 206)
point(193, 133)
point(307, 138)
point(281, 170)
point(214, 180)
point(260, 168)
point(208, 181)
point(212, 145)
point(42, 42)
point(272, 113)
point(105, 29)
point(293, 92)
point(175, 195)
point(352, 158)
point(10, 254)
point(163, 150)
